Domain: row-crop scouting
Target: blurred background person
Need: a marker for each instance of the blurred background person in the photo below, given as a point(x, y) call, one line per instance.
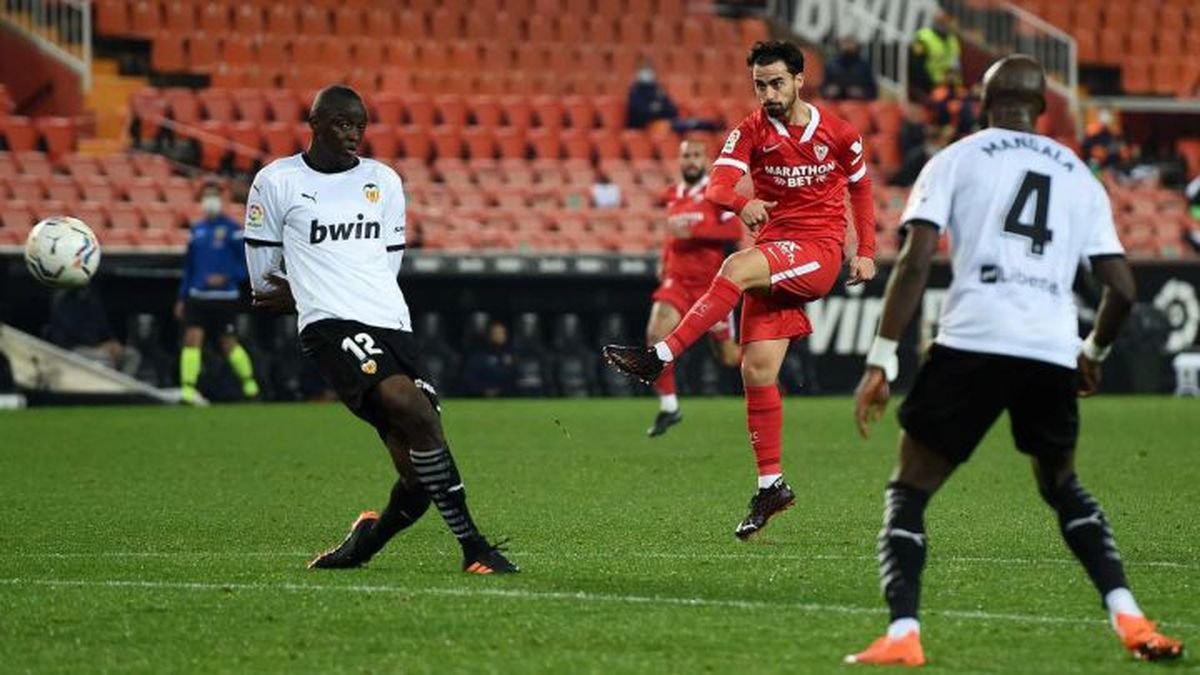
point(936, 54)
point(489, 369)
point(848, 75)
point(79, 322)
point(210, 294)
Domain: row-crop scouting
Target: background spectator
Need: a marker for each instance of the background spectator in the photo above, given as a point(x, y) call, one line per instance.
point(648, 101)
point(489, 370)
point(605, 193)
point(936, 54)
point(79, 322)
point(848, 75)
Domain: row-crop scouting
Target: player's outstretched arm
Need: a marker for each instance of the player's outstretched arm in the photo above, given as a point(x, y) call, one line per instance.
point(269, 288)
point(904, 290)
point(1120, 292)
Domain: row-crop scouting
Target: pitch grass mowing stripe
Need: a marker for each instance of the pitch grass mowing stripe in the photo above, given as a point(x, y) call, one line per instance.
point(649, 555)
point(549, 596)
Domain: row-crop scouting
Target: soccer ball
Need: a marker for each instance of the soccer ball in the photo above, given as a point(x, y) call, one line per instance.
point(62, 251)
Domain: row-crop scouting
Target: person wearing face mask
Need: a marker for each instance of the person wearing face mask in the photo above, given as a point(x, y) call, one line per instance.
point(210, 293)
point(648, 101)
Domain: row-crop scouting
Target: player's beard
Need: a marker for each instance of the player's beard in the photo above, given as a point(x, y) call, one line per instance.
point(779, 111)
point(692, 176)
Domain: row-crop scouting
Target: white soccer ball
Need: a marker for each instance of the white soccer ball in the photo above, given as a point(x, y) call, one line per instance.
point(62, 251)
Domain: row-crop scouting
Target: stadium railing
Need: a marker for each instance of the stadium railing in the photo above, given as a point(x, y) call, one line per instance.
point(62, 28)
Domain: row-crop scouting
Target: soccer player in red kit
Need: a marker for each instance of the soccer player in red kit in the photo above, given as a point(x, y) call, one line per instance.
point(698, 232)
point(802, 159)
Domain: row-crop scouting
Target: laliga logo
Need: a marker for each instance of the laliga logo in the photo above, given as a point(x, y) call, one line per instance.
point(1178, 300)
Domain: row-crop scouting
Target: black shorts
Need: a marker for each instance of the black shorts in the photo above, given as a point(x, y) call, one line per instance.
point(214, 316)
point(958, 395)
point(354, 357)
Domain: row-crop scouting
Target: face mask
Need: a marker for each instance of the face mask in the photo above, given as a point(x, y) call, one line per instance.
point(211, 204)
point(645, 75)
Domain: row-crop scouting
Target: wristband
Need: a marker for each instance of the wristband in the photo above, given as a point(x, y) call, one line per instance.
point(883, 356)
point(1093, 352)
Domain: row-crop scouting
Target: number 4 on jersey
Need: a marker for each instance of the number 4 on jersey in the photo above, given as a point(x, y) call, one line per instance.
point(1034, 184)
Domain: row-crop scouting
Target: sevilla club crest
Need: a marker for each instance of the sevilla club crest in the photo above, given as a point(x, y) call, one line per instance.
point(821, 151)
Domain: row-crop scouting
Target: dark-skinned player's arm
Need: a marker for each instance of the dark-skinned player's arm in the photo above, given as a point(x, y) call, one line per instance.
point(269, 287)
point(1120, 292)
point(904, 290)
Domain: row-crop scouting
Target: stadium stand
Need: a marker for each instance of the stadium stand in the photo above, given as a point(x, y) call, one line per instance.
point(499, 118)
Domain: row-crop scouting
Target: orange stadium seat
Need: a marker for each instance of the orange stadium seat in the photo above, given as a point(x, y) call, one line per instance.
point(177, 190)
point(142, 189)
point(282, 19)
point(445, 24)
point(245, 142)
point(62, 188)
point(279, 138)
point(549, 112)
point(17, 215)
point(160, 216)
point(96, 189)
point(248, 18)
point(447, 142)
point(416, 142)
point(601, 29)
point(451, 110)
point(480, 142)
point(144, 18)
point(284, 105)
point(26, 188)
point(419, 110)
point(214, 18)
point(167, 53)
point(179, 17)
point(150, 165)
point(111, 16)
point(314, 20)
point(381, 141)
point(58, 133)
point(124, 216)
point(19, 132)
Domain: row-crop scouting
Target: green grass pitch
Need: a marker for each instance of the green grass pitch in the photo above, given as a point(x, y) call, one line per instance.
point(174, 540)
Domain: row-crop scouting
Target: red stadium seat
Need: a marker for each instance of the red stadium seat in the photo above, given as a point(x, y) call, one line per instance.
point(282, 19)
point(17, 215)
point(61, 188)
point(245, 142)
point(168, 53)
point(144, 18)
point(160, 216)
point(416, 142)
point(480, 142)
point(19, 132)
point(637, 145)
point(510, 143)
point(215, 18)
point(419, 110)
point(545, 143)
point(314, 20)
point(369, 54)
point(284, 106)
point(549, 111)
point(97, 189)
point(280, 138)
point(447, 142)
point(348, 22)
point(518, 113)
point(273, 51)
point(142, 189)
point(485, 111)
point(445, 24)
point(124, 216)
point(58, 133)
point(177, 191)
point(112, 17)
point(183, 105)
point(381, 142)
point(25, 188)
point(451, 110)
point(33, 163)
point(601, 29)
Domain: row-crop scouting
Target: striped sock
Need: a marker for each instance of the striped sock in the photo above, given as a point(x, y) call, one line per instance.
point(1088, 534)
point(439, 475)
point(902, 548)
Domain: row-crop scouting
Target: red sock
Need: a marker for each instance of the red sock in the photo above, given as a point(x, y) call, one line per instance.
point(764, 419)
point(665, 384)
point(715, 305)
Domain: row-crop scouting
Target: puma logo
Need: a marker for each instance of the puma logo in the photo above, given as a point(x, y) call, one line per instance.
point(313, 196)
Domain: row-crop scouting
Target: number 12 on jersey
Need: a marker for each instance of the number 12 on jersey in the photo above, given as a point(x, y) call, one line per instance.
point(360, 346)
point(1037, 186)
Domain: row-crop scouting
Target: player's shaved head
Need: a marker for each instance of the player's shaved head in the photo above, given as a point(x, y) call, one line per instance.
point(335, 97)
point(1014, 92)
point(338, 120)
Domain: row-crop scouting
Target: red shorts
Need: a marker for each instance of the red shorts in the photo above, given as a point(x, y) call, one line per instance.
point(801, 272)
point(682, 296)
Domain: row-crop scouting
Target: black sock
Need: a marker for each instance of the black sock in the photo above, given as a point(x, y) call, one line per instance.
point(1088, 535)
point(404, 507)
point(902, 548)
point(439, 475)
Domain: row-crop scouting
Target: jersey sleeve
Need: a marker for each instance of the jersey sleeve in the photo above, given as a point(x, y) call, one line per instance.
point(933, 194)
point(738, 147)
point(852, 155)
point(395, 220)
point(264, 212)
point(1102, 238)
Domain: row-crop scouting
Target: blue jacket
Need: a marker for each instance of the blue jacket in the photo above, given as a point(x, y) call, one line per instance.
point(215, 247)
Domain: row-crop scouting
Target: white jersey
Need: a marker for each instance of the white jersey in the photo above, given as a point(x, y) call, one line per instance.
point(1022, 211)
point(342, 237)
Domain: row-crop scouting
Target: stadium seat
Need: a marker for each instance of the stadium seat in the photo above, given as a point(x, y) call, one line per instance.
point(416, 142)
point(381, 142)
point(142, 189)
point(97, 189)
point(314, 20)
point(58, 134)
point(215, 19)
point(111, 17)
point(545, 143)
point(176, 191)
point(19, 133)
point(451, 110)
point(480, 142)
point(124, 216)
point(518, 112)
point(144, 18)
point(160, 216)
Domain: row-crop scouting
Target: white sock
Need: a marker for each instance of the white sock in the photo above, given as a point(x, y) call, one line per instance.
point(668, 403)
point(664, 352)
point(1120, 601)
point(768, 480)
point(901, 627)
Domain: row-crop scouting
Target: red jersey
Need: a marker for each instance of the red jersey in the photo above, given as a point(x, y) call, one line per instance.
point(695, 259)
point(805, 170)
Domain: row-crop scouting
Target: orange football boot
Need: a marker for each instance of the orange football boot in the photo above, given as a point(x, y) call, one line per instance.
point(1143, 640)
point(888, 652)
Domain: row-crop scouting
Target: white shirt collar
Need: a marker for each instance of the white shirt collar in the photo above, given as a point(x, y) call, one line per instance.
point(810, 129)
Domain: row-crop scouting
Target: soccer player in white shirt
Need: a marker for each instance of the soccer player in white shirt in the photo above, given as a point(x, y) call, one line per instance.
point(335, 222)
point(1023, 211)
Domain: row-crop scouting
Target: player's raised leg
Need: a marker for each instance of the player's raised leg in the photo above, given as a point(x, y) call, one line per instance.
point(901, 547)
point(761, 361)
point(745, 270)
point(1086, 531)
point(663, 318)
